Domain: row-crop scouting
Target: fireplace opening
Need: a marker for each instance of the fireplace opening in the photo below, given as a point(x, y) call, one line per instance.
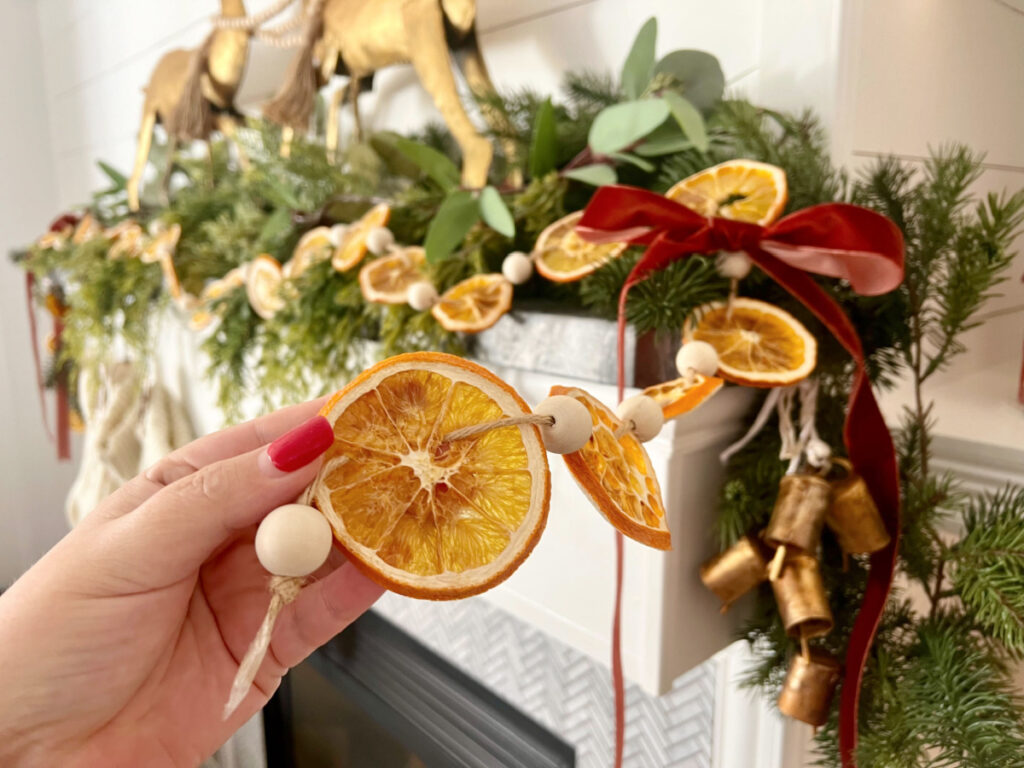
point(374, 697)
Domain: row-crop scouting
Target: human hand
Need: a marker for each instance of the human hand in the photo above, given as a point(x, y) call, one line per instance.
point(120, 645)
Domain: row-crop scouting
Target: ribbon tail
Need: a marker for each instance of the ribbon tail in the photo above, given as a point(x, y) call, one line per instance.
point(63, 404)
point(30, 282)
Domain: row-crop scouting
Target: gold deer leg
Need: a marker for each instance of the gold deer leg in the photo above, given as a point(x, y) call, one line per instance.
point(428, 49)
point(333, 128)
point(141, 156)
point(227, 125)
point(165, 178)
point(471, 62)
point(353, 97)
point(287, 133)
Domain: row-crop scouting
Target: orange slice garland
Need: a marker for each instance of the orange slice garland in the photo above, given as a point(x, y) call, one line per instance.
point(424, 517)
point(353, 246)
point(617, 475)
point(386, 280)
point(263, 284)
point(475, 304)
point(313, 247)
point(742, 190)
point(684, 394)
point(758, 344)
point(562, 256)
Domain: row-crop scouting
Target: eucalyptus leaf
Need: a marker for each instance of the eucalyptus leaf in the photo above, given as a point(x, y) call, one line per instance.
point(544, 144)
point(456, 216)
point(667, 140)
point(598, 175)
point(118, 178)
point(495, 213)
point(690, 120)
point(698, 74)
point(617, 127)
point(636, 71)
point(433, 163)
point(639, 162)
point(383, 143)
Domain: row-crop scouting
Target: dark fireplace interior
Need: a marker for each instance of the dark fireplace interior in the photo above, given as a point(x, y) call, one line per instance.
point(374, 697)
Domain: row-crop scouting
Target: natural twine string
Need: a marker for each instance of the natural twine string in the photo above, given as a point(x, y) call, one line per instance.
point(283, 590)
point(487, 426)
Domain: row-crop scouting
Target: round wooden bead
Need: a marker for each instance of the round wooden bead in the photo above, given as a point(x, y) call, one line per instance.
point(734, 265)
point(422, 296)
point(818, 452)
point(643, 415)
point(517, 267)
point(338, 234)
point(379, 240)
point(293, 540)
point(572, 426)
point(697, 356)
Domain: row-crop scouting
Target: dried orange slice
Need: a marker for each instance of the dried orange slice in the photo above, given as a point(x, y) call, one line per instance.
point(386, 280)
point(126, 240)
point(684, 394)
point(617, 475)
point(313, 247)
point(263, 286)
point(352, 248)
point(742, 190)
point(562, 256)
point(421, 516)
point(475, 304)
point(758, 344)
point(88, 228)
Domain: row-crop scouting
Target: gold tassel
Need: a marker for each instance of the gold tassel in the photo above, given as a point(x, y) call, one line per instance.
point(192, 117)
point(293, 104)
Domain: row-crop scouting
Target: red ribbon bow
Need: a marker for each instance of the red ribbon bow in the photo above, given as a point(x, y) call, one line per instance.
point(836, 240)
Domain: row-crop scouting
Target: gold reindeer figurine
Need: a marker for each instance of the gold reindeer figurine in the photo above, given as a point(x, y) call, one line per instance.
point(359, 37)
point(192, 91)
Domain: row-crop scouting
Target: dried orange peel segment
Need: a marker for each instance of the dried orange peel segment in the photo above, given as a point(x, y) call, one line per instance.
point(617, 475)
point(386, 280)
point(424, 517)
point(742, 190)
point(313, 247)
point(263, 286)
point(475, 304)
point(353, 246)
point(758, 344)
point(562, 256)
point(684, 394)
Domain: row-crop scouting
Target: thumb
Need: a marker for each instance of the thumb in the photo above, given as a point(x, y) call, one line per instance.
point(177, 529)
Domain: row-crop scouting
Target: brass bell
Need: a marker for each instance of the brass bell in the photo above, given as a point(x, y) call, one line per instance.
point(799, 512)
point(800, 594)
point(810, 683)
point(736, 571)
point(853, 516)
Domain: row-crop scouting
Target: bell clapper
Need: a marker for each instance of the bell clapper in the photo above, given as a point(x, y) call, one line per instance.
point(805, 648)
point(777, 562)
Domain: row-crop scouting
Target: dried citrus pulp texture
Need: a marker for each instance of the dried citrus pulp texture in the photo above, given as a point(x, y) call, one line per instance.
point(353, 248)
point(564, 257)
point(421, 516)
point(263, 285)
point(682, 395)
point(742, 190)
point(386, 280)
point(314, 246)
point(617, 475)
point(758, 344)
point(475, 304)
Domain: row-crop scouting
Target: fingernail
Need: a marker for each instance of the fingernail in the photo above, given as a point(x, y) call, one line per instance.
point(295, 449)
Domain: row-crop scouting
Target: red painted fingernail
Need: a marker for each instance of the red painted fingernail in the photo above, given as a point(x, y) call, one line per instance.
point(295, 449)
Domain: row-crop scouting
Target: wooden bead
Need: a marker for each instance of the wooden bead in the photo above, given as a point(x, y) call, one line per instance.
point(293, 540)
point(697, 356)
point(422, 296)
point(734, 265)
point(572, 427)
point(379, 240)
point(643, 415)
point(338, 234)
point(517, 267)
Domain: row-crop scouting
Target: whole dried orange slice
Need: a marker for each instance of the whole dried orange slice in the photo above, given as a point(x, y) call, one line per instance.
point(422, 516)
point(475, 304)
point(313, 247)
point(617, 475)
point(386, 280)
point(742, 190)
point(684, 394)
point(562, 256)
point(758, 344)
point(353, 248)
point(263, 286)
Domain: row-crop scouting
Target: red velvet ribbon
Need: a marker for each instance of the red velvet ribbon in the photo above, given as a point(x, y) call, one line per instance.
point(834, 239)
point(63, 436)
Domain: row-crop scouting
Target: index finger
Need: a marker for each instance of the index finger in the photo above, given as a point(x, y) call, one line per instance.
point(212, 448)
